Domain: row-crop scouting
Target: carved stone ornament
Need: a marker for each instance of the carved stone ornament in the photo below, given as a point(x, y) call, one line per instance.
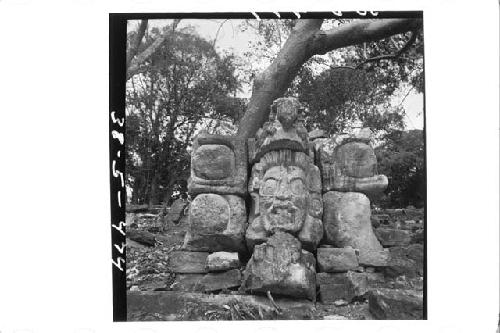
point(218, 165)
point(284, 130)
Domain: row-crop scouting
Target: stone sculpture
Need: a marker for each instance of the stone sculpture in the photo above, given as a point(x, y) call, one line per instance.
point(295, 207)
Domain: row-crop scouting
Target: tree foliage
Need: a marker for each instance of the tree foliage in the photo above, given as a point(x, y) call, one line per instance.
point(349, 86)
point(401, 158)
point(181, 88)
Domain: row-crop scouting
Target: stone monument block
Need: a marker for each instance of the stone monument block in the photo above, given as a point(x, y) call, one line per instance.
point(223, 261)
point(337, 259)
point(216, 223)
point(285, 187)
point(349, 164)
point(218, 165)
point(281, 267)
point(284, 130)
point(346, 220)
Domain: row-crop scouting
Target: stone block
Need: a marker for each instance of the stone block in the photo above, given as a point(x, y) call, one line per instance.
point(349, 165)
point(188, 282)
point(223, 261)
point(374, 258)
point(337, 259)
point(406, 260)
point(394, 304)
point(223, 280)
point(346, 219)
point(346, 286)
point(188, 262)
point(218, 165)
point(216, 223)
point(393, 237)
point(280, 266)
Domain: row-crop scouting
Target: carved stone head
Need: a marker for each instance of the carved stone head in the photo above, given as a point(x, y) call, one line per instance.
point(285, 187)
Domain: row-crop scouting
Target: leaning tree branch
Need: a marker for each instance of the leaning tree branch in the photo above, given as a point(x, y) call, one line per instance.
point(394, 55)
point(132, 52)
point(361, 31)
point(135, 63)
point(305, 41)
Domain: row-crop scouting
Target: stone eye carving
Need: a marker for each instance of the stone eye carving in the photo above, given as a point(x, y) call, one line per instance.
point(297, 186)
point(270, 187)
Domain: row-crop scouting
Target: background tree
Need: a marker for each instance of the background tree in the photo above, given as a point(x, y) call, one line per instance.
point(401, 158)
point(181, 87)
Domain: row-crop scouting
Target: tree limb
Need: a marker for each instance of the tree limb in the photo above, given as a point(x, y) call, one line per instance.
point(306, 40)
point(407, 45)
point(132, 52)
point(135, 63)
point(361, 31)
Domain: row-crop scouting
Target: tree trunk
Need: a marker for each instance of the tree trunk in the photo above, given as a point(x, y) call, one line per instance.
point(305, 41)
point(153, 192)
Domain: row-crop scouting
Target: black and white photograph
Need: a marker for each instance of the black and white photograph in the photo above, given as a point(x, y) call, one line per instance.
point(275, 167)
point(266, 166)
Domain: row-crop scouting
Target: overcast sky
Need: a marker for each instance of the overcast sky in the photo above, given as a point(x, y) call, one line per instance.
point(231, 38)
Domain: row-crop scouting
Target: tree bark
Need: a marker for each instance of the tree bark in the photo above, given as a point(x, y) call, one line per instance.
point(306, 40)
point(137, 41)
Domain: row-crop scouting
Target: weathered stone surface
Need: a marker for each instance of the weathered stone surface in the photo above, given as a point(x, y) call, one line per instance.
point(180, 305)
point(309, 260)
point(393, 237)
point(349, 165)
point(213, 162)
point(280, 267)
point(218, 165)
point(396, 304)
point(223, 280)
point(187, 282)
point(223, 261)
point(346, 286)
point(284, 130)
point(356, 160)
point(311, 233)
point(176, 211)
point(216, 223)
point(406, 260)
point(418, 237)
point(285, 187)
point(336, 259)
point(346, 220)
point(317, 134)
point(374, 258)
point(207, 282)
point(188, 262)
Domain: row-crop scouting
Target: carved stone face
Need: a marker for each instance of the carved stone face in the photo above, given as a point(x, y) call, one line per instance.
point(283, 198)
point(287, 112)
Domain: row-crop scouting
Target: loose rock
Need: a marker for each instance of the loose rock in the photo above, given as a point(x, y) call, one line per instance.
point(337, 259)
point(393, 237)
point(280, 267)
point(188, 262)
point(396, 304)
point(223, 261)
